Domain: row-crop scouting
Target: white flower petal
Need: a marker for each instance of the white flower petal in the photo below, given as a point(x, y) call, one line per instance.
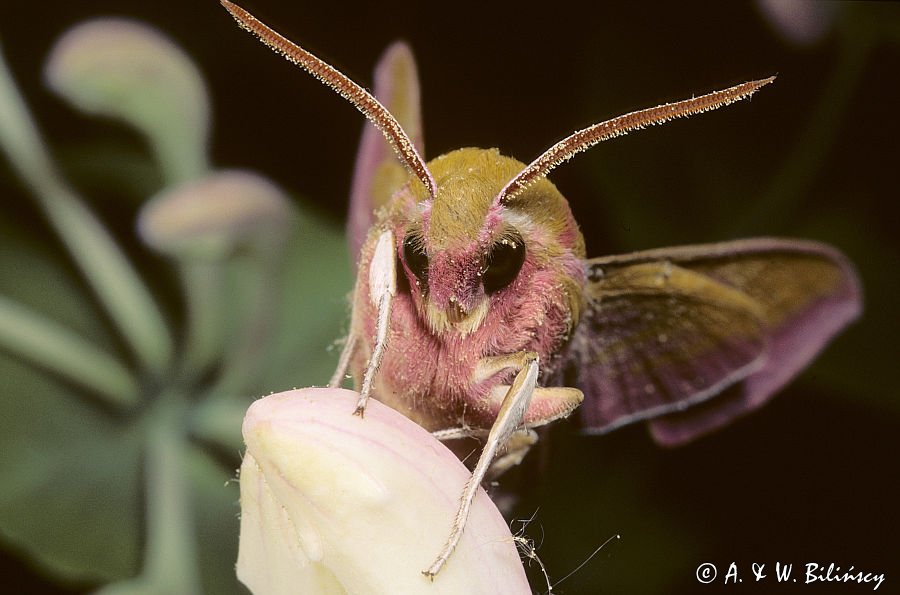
point(334, 503)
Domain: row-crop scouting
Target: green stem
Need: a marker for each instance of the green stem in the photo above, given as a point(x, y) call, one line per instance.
point(203, 287)
point(179, 158)
point(792, 183)
point(101, 261)
point(242, 362)
point(170, 558)
point(170, 562)
point(41, 341)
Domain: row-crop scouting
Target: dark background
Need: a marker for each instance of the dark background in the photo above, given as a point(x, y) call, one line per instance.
point(812, 477)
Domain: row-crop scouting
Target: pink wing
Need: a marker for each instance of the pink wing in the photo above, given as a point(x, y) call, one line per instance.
point(692, 337)
point(378, 173)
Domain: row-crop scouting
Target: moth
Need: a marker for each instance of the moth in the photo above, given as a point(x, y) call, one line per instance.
point(476, 311)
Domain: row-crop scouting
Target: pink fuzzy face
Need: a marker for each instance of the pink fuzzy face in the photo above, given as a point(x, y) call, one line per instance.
point(470, 261)
point(487, 269)
point(463, 277)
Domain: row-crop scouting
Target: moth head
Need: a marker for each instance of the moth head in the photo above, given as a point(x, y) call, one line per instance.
point(463, 252)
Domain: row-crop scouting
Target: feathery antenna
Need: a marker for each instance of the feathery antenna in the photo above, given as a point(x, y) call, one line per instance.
point(359, 97)
point(590, 136)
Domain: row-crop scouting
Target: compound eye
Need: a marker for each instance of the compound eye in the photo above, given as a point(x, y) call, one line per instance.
point(503, 263)
point(416, 259)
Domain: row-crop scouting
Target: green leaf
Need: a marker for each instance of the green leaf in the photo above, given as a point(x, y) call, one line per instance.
point(28, 268)
point(90, 245)
point(71, 480)
point(70, 469)
point(308, 313)
point(314, 311)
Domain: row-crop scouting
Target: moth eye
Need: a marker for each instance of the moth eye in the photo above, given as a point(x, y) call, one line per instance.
point(416, 259)
point(503, 263)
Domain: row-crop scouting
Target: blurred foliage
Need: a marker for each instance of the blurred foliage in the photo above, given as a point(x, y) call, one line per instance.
point(120, 434)
point(815, 155)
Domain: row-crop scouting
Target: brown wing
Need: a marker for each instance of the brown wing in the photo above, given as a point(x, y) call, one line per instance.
point(666, 330)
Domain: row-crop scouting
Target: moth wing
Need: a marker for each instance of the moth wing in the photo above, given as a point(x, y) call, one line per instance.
point(656, 338)
point(660, 353)
point(378, 173)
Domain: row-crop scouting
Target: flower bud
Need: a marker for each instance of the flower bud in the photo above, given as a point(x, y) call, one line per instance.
point(130, 71)
point(801, 22)
point(336, 503)
point(209, 217)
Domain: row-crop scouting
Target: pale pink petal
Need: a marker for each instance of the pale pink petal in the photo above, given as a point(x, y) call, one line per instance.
point(334, 503)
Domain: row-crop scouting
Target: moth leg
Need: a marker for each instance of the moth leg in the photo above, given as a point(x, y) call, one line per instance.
point(382, 288)
point(512, 411)
point(518, 445)
point(459, 433)
point(337, 379)
point(548, 403)
point(488, 366)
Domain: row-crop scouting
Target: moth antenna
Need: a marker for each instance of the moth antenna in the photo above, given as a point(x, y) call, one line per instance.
point(590, 136)
point(352, 92)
